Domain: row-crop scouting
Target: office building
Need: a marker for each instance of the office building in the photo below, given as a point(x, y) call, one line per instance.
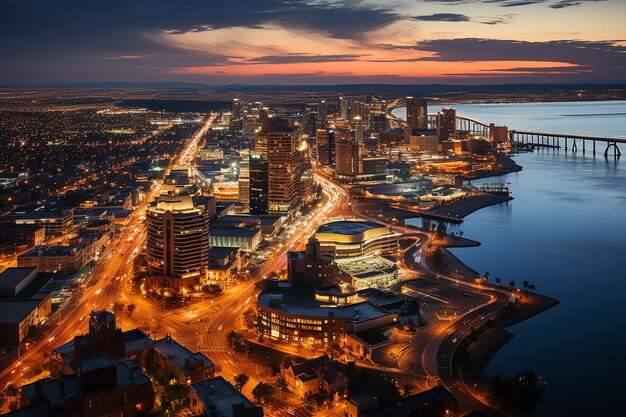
point(347, 158)
point(55, 221)
point(23, 304)
point(446, 123)
point(275, 172)
point(244, 177)
point(310, 268)
point(416, 113)
point(259, 203)
point(55, 259)
point(325, 144)
point(498, 133)
point(177, 241)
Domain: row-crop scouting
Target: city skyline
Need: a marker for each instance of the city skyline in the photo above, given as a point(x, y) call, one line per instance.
point(313, 42)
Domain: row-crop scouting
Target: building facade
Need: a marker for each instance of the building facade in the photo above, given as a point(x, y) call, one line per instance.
point(177, 242)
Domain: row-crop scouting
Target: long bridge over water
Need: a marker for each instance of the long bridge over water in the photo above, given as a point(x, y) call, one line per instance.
point(545, 139)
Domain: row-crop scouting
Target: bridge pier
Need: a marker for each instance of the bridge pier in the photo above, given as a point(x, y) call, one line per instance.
point(594, 147)
point(616, 152)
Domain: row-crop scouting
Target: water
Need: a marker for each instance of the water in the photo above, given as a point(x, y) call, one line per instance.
point(565, 232)
point(597, 118)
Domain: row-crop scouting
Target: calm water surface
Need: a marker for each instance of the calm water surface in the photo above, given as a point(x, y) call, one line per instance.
point(565, 232)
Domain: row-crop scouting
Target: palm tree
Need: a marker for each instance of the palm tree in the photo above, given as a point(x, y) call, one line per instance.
point(498, 281)
point(512, 284)
point(532, 287)
point(525, 284)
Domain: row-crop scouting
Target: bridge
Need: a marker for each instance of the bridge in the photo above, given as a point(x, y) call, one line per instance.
point(533, 139)
point(545, 139)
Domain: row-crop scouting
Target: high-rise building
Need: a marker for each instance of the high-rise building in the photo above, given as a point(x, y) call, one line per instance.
point(417, 113)
point(447, 123)
point(277, 162)
point(236, 111)
point(325, 143)
point(258, 183)
point(244, 176)
point(321, 114)
point(347, 156)
point(177, 241)
point(344, 108)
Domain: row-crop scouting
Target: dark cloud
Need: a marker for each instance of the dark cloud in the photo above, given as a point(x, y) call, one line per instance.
point(497, 20)
point(606, 60)
point(443, 17)
point(75, 34)
point(302, 58)
point(600, 53)
point(555, 4)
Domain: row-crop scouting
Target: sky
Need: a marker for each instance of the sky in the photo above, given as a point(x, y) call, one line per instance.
point(257, 42)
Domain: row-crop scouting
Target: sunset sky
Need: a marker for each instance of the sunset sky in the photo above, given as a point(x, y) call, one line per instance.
point(312, 42)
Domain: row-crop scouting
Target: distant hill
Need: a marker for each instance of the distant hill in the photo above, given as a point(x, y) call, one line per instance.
point(418, 89)
point(112, 85)
point(396, 89)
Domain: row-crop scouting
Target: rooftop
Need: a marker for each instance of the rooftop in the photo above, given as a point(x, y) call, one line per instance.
point(13, 276)
point(348, 227)
point(219, 395)
point(15, 310)
point(302, 303)
point(233, 232)
point(412, 404)
point(221, 252)
point(177, 353)
point(53, 251)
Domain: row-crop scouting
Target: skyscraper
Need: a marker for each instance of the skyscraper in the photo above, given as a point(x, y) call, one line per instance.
point(258, 183)
point(275, 171)
point(347, 154)
point(446, 123)
point(321, 114)
point(177, 240)
point(417, 113)
point(325, 143)
point(244, 176)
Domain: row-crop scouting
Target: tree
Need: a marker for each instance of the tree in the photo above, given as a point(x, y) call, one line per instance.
point(262, 392)
point(241, 380)
point(175, 396)
point(441, 229)
point(532, 287)
point(130, 309)
point(334, 349)
point(212, 290)
point(413, 307)
point(486, 276)
point(498, 281)
point(117, 307)
point(407, 389)
point(249, 318)
point(525, 284)
point(12, 390)
point(438, 257)
point(512, 284)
